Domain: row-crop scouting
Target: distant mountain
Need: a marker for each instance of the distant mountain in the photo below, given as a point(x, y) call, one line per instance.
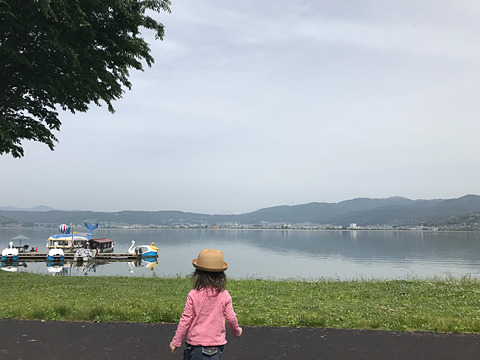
point(122, 217)
point(362, 211)
point(6, 221)
point(472, 218)
point(36, 208)
point(394, 211)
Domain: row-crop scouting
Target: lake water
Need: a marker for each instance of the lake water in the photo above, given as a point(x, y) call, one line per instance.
point(281, 254)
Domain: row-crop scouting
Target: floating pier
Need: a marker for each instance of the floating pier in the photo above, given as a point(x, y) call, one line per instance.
point(42, 256)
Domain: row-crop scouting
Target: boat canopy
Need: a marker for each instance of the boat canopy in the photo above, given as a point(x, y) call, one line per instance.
point(102, 240)
point(102, 243)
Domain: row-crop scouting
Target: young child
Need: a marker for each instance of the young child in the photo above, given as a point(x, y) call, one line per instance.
point(207, 307)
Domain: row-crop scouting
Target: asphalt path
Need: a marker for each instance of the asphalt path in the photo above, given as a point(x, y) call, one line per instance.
point(25, 340)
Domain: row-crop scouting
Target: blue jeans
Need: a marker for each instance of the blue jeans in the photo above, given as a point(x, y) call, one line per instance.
point(203, 352)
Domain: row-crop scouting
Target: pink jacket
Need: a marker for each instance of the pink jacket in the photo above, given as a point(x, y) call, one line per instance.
point(203, 320)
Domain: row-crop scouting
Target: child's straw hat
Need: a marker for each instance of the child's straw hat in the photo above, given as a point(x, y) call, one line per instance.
point(210, 260)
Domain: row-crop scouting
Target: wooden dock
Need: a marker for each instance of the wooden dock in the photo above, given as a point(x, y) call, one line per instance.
point(42, 256)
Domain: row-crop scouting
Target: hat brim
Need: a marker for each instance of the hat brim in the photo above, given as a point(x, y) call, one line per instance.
point(209, 269)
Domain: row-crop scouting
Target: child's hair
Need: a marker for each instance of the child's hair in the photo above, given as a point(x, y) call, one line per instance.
point(202, 279)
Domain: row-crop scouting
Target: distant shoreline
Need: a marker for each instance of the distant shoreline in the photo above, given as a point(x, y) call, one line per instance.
point(157, 228)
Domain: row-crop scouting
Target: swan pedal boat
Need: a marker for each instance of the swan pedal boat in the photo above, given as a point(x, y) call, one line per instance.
point(145, 251)
point(55, 254)
point(10, 253)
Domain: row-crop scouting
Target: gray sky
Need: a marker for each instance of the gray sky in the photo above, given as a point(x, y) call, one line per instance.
point(252, 104)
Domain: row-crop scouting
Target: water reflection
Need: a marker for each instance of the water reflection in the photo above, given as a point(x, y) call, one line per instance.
point(11, 265)
point(143, 264)
point(56, 269)
point(286, 253)
point(91, 268)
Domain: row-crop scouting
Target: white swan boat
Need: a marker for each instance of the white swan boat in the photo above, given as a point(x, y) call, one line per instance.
point(143, 250)
point(55, 254)
point(10, 253)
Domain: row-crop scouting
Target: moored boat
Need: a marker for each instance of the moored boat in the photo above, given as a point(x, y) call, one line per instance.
point(68, 240)
point(10, 253)
point(56, 254)
point(143, 250)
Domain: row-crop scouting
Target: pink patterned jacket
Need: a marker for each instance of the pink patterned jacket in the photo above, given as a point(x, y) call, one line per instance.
point(203, 320)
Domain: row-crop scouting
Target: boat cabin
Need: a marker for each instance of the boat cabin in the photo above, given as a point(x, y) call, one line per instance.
point(67, 242)
point(102, 244)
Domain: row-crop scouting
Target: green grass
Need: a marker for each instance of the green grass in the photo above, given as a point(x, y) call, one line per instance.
point(451, 305)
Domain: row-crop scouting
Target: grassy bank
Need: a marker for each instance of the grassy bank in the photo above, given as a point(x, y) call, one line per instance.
point(451, 305)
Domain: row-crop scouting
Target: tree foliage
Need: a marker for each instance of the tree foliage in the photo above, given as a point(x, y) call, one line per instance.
point(66, 54)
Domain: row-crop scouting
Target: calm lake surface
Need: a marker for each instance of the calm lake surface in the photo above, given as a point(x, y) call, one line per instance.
point(280, 254)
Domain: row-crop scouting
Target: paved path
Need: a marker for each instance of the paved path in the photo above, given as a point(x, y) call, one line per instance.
point(36, 340)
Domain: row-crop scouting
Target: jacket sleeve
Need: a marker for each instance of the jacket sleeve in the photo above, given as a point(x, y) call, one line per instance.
point(231, 316)
point(185, 322)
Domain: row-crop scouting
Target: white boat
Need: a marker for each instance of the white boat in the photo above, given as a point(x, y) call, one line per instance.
point(10, 253)
point(143, 250)
point(55, 254)
point(68, 240)
point(83, 255)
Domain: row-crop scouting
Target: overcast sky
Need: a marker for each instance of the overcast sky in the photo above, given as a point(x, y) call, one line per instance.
point(252, 104)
